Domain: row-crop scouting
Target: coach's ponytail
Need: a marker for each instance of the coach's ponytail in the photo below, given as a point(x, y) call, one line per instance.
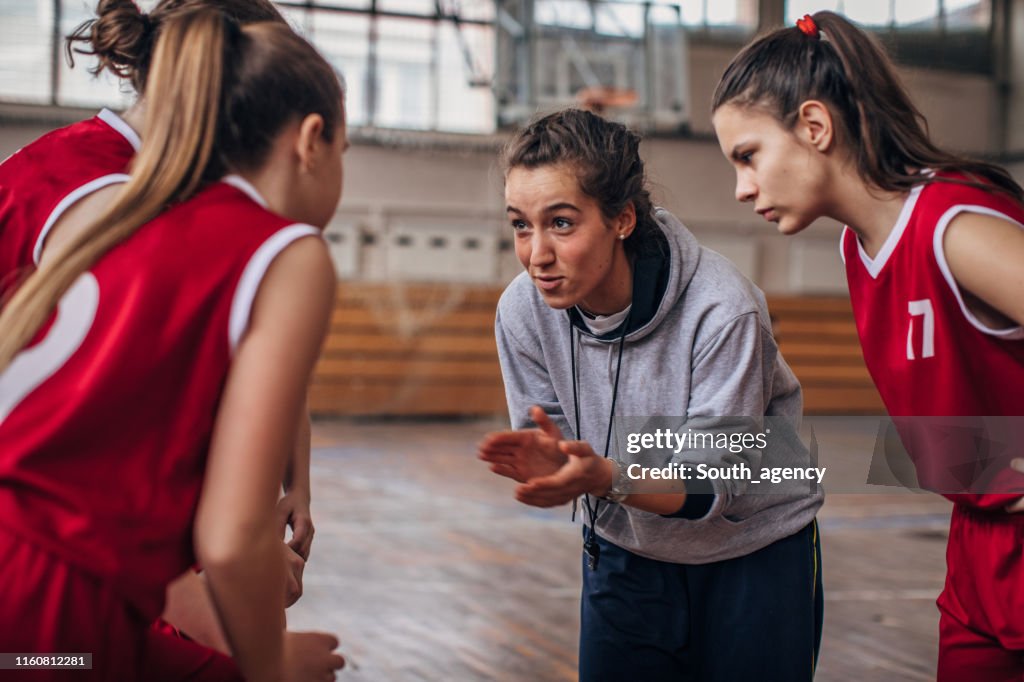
point(831, 60)
point(181, 124)
point(122, 36)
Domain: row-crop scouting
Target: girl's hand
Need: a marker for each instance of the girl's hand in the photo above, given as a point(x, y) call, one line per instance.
point(525, 454)
point(294, 568)
point(293, 510)
point(310, 656)
point(583, 473)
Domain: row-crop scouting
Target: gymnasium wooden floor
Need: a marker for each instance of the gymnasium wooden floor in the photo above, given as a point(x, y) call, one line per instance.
point(429, 570)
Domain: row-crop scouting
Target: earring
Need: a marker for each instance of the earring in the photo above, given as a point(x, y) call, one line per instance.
point(622, 236)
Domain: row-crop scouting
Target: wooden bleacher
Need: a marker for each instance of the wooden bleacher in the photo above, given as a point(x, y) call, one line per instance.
point(410, 350)
point(818, 339)
point(428, 350)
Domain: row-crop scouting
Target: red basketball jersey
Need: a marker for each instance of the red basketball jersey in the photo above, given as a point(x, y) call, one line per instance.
point(106, 418)
point(927, 353)
point(43, 179)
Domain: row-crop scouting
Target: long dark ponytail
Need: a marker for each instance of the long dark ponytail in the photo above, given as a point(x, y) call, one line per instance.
point(845, 67)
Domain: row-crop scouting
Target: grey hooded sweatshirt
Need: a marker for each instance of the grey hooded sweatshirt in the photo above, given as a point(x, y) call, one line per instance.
point(704, 349)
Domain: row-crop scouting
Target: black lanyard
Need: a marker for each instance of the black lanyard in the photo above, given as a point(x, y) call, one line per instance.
point(590, 545)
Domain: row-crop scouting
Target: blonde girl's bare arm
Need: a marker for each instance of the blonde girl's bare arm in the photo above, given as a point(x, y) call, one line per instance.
point(188, 608)
point(236, 537)
point(294, 507)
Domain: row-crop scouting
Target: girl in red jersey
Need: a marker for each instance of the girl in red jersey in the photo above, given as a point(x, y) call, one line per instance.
point(76, 171)
point(167, 386)
point(78, 168)
point(816, 124)
point(122, 38)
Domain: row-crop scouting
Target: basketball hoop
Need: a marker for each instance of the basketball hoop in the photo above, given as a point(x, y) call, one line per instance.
point(600, 98)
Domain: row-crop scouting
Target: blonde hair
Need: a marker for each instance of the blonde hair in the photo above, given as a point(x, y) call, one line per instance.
point(211, 89)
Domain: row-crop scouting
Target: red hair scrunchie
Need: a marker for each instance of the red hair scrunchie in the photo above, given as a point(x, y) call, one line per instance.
point(807, 25)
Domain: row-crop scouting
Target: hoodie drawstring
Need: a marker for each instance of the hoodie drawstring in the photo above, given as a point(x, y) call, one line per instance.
point(590, 545)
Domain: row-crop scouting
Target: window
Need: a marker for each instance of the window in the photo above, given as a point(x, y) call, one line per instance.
point(414, 64)
point(938, 34)
point(713, 13)
point(25, 55)
point(628, 59)
point(930, 15)
point(626, 20)
point(406, 64)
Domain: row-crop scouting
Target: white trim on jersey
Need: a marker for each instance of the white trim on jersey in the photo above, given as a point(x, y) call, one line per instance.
point(940, 255)
point(874, 266)
point(121, 126)
point(245, 293)
point(238, 182)
point(32, 366)
point(67, 202)
point(842, 243)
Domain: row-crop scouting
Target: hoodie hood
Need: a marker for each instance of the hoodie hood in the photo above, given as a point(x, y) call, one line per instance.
point(660, 279)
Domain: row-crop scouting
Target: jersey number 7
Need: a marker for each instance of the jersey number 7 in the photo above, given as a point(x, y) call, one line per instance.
point(922, 309)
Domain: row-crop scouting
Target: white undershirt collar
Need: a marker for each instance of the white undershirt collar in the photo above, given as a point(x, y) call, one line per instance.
point(600, 325)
